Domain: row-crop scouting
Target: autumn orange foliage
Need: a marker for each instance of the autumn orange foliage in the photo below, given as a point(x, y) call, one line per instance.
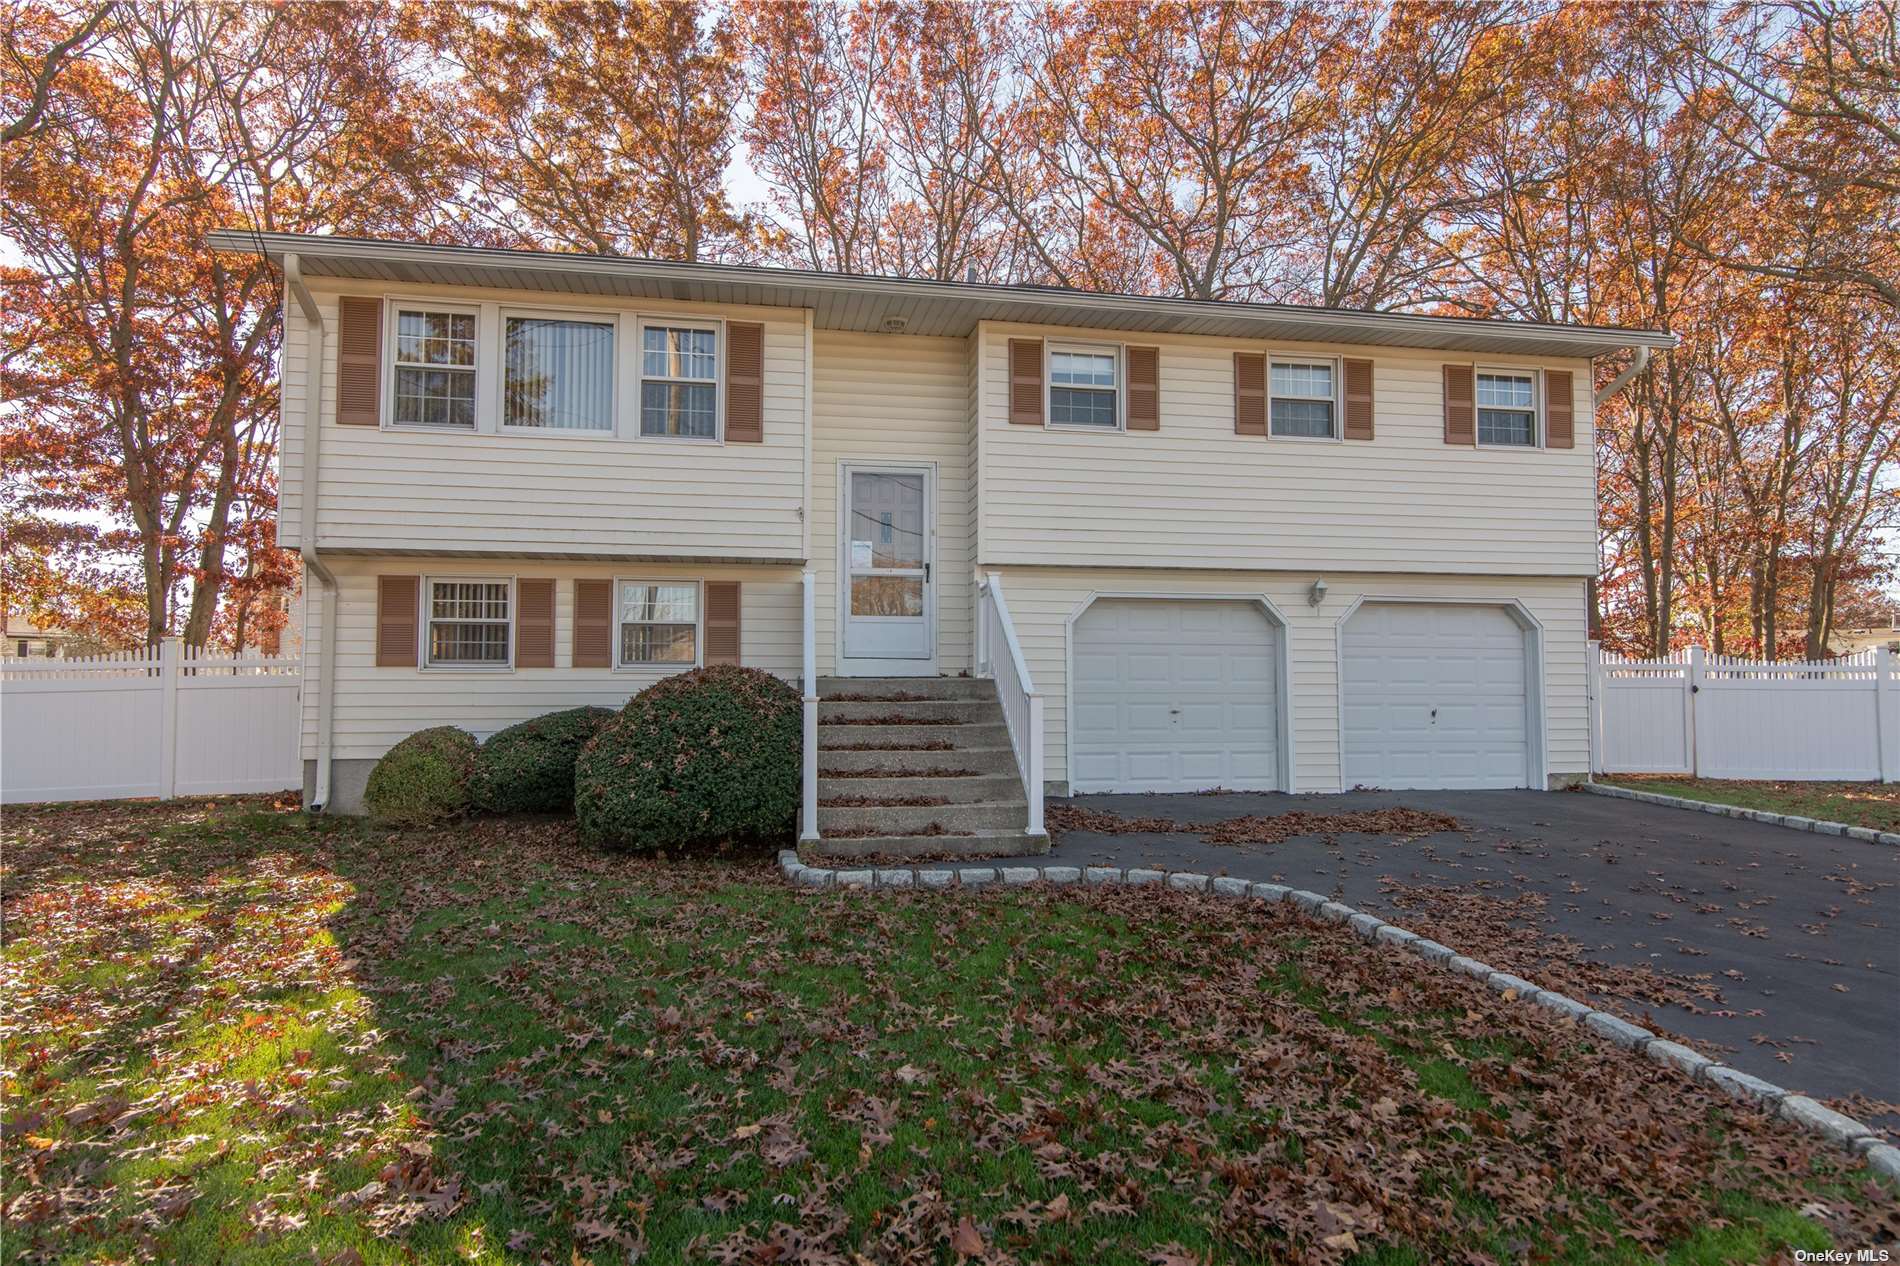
point(1730, 173)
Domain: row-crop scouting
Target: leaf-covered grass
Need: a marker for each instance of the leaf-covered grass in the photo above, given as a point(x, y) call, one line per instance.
point(1870, 804)
point(233, 1036)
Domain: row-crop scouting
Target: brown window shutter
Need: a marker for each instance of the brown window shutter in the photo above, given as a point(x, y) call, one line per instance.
point(1144, 389)
point(1025, 381)
point(396, 616)
point(534, 624)
point(593, 624)
point(359, 362)
point(1560, 409)
point(745, 383)
point(722, 622)
point(1250, 393)
point(1461, 412)
point(1358, 375)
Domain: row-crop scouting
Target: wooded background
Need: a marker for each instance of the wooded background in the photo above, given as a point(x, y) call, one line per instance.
point(1730, 173)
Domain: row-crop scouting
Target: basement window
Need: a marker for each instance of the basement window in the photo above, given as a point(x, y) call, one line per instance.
point(659, 623)
point(469, 623)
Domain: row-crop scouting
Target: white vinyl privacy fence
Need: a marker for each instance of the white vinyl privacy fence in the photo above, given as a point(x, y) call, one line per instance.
point(1719, 717)
point(168, 721)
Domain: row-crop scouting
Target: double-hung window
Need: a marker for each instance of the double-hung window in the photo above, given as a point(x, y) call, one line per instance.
point(1304, 398)
point(435, 368)
point(558, 374)
point(659, 622)
point(1507, 408)
point(679, 380)
point(469, 623)
point(1083, 387)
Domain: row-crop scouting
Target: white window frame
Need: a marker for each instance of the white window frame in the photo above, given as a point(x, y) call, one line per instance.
point(683, 320)
point(608, 318)
point(1115, 350)
point(393, 308)
point(427, 619)
point(1339, 399)
point(1537, 407)
point(699, 624)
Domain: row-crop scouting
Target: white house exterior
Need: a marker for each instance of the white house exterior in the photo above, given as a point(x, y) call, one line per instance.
point(1248, 546)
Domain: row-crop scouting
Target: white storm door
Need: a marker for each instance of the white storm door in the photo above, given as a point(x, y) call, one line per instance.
point(889, 598)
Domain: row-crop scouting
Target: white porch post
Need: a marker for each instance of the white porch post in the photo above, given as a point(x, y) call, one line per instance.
point(808, 768)
point(1035, 764)
point(982, 665)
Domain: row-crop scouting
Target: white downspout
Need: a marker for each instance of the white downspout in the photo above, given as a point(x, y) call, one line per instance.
point(1622, 380)
point(307, 517)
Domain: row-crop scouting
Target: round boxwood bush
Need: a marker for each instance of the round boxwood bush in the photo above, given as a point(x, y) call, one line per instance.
point(423, 779)
point(697, 758)
point(529, 768)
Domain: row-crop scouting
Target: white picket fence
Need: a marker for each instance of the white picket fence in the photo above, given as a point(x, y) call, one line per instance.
point(168, 721)
point(1716, 716)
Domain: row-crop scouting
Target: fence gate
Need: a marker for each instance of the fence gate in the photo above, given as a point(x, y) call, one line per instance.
point(1722, 717)
point(167, 721)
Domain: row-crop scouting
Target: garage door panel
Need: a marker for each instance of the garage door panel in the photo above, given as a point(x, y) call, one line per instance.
point(1434, 695)
point(1178, 695)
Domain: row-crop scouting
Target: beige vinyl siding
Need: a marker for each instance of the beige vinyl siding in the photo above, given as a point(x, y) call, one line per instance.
point(1195, 494)
point(894, 398)
point(375, 707)
point(406, 489)
point(1041, 601)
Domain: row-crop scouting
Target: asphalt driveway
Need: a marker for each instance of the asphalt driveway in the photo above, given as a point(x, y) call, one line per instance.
point(1798, 933)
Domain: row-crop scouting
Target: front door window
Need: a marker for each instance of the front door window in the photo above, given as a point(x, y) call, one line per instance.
point(887, 565)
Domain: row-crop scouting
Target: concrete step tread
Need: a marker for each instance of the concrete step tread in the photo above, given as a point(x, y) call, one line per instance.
point(986, 761)
point(975, 844)
point(909, 819)
point(967, 710)
point(965, 789)
point(969, 736)
point(928, 687)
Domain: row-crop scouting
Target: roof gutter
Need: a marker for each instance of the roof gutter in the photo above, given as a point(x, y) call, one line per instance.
point(1622, 380)
point(307, 521)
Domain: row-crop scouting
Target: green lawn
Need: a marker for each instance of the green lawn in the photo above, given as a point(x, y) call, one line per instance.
point(1856, 803)
point(232, 1037)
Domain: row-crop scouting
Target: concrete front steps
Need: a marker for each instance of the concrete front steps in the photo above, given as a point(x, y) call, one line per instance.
point(909, 738)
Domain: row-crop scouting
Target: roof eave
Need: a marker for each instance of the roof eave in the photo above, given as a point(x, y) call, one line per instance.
point(376, 259)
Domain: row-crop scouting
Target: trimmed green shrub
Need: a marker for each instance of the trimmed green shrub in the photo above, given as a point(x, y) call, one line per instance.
point(423, 779)
point(696, 758)
point(529, 768)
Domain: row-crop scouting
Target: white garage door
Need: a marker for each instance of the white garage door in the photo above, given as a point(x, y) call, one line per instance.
point(1175, 695)
point(1434, 697)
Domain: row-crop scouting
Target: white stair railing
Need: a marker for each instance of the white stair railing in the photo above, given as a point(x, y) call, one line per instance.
point(808, 765)
point(1000, 657)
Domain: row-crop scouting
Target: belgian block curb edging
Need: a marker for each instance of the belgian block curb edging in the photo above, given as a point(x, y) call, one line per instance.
point(1866, 834)
point(1799, 1110)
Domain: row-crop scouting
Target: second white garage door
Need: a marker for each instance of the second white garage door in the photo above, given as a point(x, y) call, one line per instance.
point(1175, 695)
point(1434, 696)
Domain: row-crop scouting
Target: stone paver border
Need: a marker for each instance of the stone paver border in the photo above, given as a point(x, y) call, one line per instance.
point(1809, 1114)
point(1866, 833)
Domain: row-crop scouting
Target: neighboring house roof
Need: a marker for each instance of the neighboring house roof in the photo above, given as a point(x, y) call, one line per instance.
point(842, 301)
point(19, 626)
